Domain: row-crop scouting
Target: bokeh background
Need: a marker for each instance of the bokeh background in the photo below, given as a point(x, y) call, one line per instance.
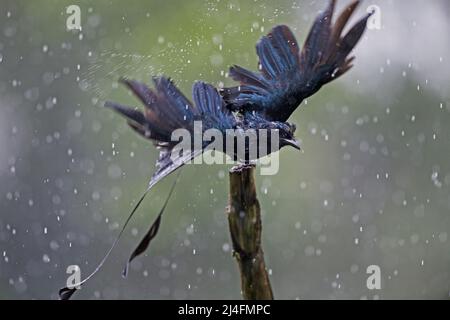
point(371, 186)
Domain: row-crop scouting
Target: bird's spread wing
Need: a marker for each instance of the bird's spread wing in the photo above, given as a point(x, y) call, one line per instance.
point(166, 109)
point(288, 75)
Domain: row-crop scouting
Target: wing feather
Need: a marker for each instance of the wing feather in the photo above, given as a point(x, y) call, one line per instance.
point(286, 76)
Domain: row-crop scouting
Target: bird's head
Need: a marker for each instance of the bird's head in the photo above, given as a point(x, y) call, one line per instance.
point(286, 131)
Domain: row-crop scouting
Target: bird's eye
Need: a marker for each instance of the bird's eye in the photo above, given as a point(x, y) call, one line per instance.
point(292, 127)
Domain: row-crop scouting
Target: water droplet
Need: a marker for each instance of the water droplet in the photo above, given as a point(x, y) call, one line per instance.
point(46, 258)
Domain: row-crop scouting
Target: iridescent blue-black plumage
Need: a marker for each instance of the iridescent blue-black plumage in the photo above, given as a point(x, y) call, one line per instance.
point(264, 99)
point(166, 109)
point(287, 75)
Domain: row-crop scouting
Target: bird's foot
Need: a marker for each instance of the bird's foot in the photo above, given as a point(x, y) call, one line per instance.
point(243, 166)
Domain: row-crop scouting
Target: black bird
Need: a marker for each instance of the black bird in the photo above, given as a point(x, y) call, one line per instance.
point(167, 109)
point(288, 76)
point(263, 100)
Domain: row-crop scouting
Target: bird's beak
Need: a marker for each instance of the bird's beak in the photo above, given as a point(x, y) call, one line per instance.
point(292, 142)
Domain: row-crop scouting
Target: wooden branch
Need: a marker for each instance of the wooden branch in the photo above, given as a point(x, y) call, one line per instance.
point(244, 218)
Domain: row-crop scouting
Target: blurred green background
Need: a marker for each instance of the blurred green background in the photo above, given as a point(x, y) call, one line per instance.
point(371, 186)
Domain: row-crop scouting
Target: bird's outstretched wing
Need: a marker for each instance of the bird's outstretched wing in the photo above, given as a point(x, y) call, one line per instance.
point(287, 76)
point(166, 109)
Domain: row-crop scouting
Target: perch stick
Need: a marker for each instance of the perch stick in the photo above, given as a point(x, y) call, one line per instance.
point(244, 218)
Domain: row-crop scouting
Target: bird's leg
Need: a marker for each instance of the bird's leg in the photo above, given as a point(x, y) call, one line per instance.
point(243, 166)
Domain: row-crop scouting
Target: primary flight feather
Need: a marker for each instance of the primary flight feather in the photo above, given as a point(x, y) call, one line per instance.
point(287, 75)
